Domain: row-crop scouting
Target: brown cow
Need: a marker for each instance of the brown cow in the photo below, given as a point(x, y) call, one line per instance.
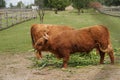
point(37, 31)
point(82, 40)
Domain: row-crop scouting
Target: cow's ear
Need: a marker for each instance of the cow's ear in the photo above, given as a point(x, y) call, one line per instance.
point(39, 44)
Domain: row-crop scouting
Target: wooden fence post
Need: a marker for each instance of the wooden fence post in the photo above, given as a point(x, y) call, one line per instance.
point(13, 19)
point(10, 17)
point(0, 20)
point(6, 17)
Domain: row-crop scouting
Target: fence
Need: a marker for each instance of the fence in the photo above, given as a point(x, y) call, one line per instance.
point(113, 11)
point(10, 17)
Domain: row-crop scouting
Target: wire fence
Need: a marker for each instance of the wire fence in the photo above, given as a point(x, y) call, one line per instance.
point(10, 17)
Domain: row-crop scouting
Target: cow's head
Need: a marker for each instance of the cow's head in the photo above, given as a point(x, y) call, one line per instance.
point(41, 42)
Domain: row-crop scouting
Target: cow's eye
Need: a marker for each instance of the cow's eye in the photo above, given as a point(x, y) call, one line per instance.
point(39, 44)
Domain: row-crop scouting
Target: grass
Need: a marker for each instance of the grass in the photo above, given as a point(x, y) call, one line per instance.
point(17, 38)
point(76, 60)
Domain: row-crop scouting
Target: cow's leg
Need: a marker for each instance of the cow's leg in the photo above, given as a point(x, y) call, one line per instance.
point(65, 62)
point(102, 56)
point(38, 54)
point(111, 55)
point(110, 52)
point(66, 55)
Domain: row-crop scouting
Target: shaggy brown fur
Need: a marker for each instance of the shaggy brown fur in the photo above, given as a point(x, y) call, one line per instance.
point(82, 40)
point(38, 30)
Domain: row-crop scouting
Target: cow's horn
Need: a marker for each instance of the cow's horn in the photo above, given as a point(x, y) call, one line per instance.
point(46, 36)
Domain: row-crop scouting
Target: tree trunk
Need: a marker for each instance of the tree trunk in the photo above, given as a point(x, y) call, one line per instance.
point(78, 11)
point(82, 11)
point(0, 20)
point(56, 11)
point(41, 15)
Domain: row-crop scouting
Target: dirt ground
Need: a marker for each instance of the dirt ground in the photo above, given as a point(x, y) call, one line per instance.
point(18, 67)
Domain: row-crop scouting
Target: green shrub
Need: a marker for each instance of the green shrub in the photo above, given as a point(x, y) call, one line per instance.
point(76, 60)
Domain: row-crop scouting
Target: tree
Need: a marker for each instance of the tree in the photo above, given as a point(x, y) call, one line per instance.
point(11, 5)
point(80, 4)
point(95, 5)
point(101, 1)
point(41, 12)
point(2, 3)
point(57, 4)
point(112, 2)
point(29, 6)
point(20, 4)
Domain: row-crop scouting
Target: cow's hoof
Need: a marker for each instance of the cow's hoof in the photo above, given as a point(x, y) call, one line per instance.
point(64, 69)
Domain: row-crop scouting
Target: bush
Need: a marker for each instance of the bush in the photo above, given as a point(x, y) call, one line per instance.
point(95, 5)
point(76, 60)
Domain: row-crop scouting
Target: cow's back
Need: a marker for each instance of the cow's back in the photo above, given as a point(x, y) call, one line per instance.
point(74, 40)
point(81, 40)
point(55, 29)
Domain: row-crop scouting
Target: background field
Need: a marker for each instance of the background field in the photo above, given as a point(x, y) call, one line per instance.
point(17, 38)
point(18, 63)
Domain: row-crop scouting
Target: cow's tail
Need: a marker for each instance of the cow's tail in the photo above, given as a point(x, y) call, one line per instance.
point(107, 50)
point(109, 46)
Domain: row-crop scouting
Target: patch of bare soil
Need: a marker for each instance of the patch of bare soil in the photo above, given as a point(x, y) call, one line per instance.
point(17, 67)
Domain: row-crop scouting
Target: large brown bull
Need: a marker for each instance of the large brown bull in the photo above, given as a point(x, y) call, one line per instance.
point(82, 40)
point(38, 30)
